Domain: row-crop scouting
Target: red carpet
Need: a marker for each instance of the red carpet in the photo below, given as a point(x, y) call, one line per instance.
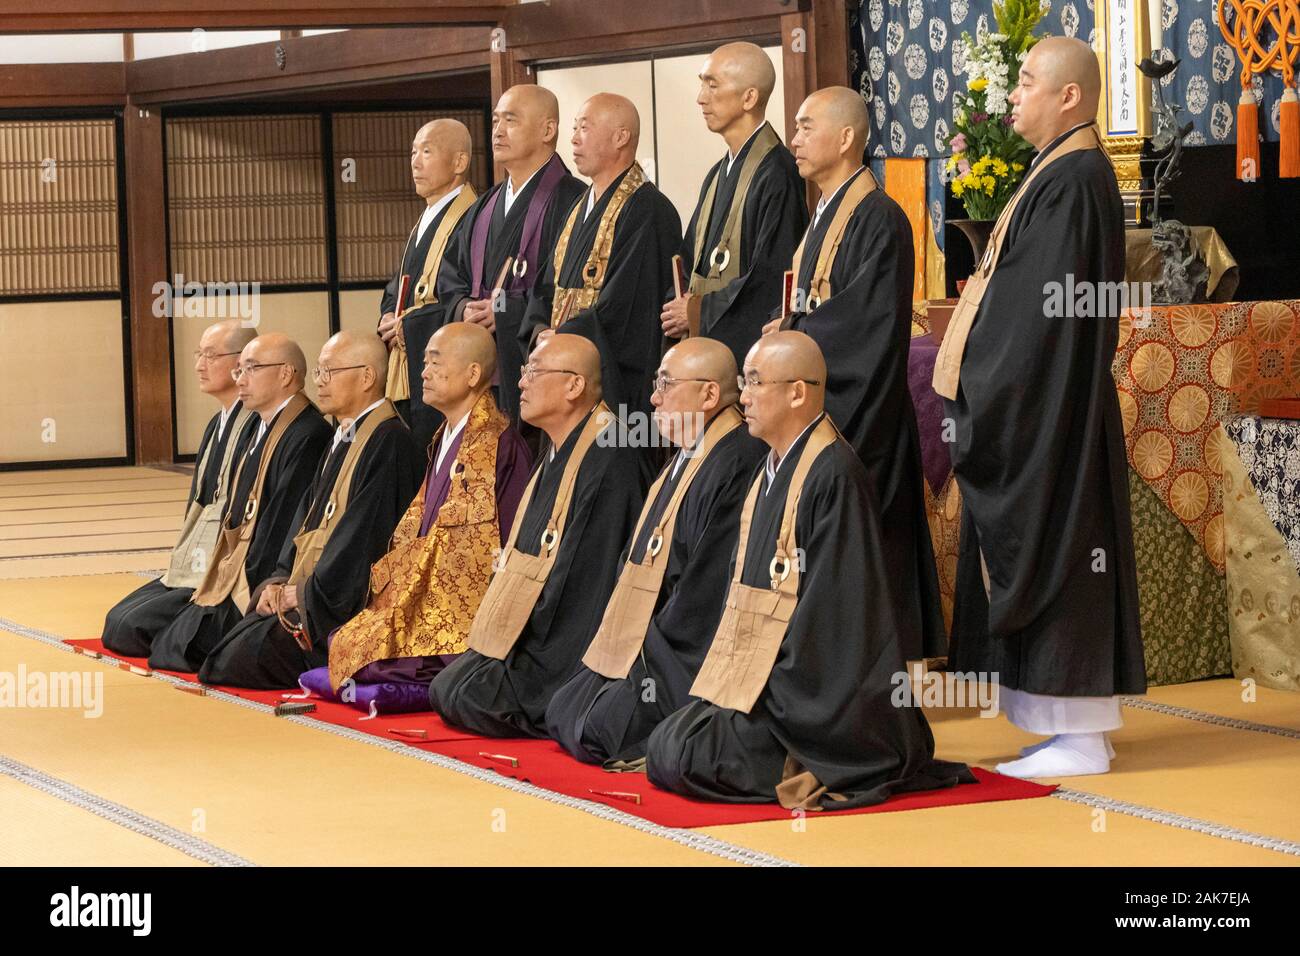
point(543, 763)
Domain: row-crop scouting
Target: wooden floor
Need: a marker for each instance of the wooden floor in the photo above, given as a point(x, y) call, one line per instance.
point(159, 777)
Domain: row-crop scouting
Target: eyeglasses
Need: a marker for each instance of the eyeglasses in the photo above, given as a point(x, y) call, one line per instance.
point(323, 374)
point(664, 382)
point(753, 381)
point(531, 371)
point(207, 358)
point(239, 371)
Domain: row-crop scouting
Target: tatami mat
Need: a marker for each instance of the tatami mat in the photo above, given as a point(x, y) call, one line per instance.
point(276, 792)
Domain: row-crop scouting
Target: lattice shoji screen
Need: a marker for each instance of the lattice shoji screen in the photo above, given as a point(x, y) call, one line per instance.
point(246, 199)
point(376, 210)
point(58, 207)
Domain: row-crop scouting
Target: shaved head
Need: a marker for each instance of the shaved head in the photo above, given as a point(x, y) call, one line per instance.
point(278, 347)
point(696, 381)
point(531, 100)
point(458, 365)
point(272, 369)
point(231, 335)
point(830, 138)
point(440, 157)
point(1059, 88)
point(706, 359)
point(446, 134)
point(359, 348)
point(1063, 60)
point(792, 392)
point(745, 66)
point(463, 343)
point(525, 128)
point(791, 354)
point(578, 354)
point(606, 133)
point(843, 108)
point(560, 384)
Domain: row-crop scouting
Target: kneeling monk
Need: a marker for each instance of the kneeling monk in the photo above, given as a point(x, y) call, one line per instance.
point(673, 582)
point(270, 481)
point(425, 590)
point(362, 485)
point(795, 692)
point(131, 624)
point(558, 567)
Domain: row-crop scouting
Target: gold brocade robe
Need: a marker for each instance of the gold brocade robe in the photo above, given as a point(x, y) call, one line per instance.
point(425, 591)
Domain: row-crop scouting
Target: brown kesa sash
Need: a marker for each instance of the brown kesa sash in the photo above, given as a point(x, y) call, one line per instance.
point(755, 620)
point(308, 545)
point(819, 287)
point(399, 386)
point(568, 301)
point(519, 577)
point(202, 526)
point(723, 267)
point(947, 365)
point(226, 577)
point(622, 630)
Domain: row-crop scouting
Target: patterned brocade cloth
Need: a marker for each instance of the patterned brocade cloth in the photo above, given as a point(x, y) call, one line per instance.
point(1181, 372)
point(1261, 498)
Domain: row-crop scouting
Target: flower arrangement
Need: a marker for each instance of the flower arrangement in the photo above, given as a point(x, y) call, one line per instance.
point(989, 157)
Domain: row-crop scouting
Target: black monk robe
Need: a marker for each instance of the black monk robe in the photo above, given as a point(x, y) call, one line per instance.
point(1040, 457)
point(864, 329)
point(774, 216)
point(508, 698)
point(624, 321)
point(131, 624)
point(597, 718)
point(258, 652)
point(827, 702)
point(184, 643)
point(419, 323)
point(467, 270)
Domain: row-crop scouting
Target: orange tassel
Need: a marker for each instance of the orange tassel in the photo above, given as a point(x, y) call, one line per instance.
point(1289, 124)
point(1247, 137)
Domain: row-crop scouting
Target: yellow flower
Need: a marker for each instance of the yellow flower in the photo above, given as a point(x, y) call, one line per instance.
point(957, 188)
point(980, 166)
point(953, 160)
point(989, 184)
point(1017, 166)
point(976, 85)
point(999, 167)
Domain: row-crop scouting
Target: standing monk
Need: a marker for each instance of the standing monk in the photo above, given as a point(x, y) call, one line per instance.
point(1046, 601)
point(752, 209)
point(131, 625)
point(853, 296)
point(440, 157)
point(343, 523)
point(519, 220)
point(613, 259)
point(286, 441)
point(794, 701)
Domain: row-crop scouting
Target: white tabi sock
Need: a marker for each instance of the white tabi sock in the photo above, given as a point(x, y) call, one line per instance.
point(1066, 755)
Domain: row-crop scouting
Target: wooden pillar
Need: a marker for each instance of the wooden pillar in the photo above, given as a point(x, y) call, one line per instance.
point(146, 228)
point(814, 54)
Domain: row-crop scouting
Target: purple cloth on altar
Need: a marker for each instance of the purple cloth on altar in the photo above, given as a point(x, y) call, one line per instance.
point(936, 461)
